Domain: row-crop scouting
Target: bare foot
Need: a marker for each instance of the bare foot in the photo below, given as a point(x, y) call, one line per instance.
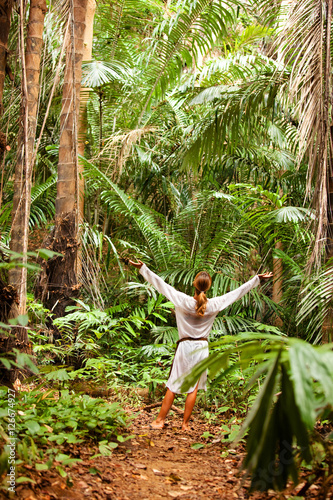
point(185, 427)
point(157, 425)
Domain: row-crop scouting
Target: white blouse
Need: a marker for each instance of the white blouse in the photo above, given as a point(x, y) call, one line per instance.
point(190, 324)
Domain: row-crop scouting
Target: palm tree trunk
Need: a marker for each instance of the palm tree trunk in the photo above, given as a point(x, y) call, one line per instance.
point(84, 96)
point(83, 120)
point(277, 280)
point(327, 329)
point(67, 186)
point(57, 285)
point(26, 140)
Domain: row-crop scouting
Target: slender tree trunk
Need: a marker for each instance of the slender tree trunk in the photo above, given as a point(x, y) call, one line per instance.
point(8, 294)
point(329, 146)
point(83, 119)
point(5, 16)
point(58, 284)
point(26, 140)
point(100, 146)
point(277, 280)
point(328, 323)
point(67, 186)
point(84, 97)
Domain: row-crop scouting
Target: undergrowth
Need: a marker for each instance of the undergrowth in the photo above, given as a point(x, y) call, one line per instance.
point(44, 423)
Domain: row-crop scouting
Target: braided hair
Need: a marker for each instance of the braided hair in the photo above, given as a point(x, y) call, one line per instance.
point(202, 283)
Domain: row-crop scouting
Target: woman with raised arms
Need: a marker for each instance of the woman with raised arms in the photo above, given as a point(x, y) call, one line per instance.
point(195, 316)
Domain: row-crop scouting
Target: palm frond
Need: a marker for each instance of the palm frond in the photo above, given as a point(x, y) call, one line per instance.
point(195, 28)
point(99, 73)
point(304, 44)
point(315, 304)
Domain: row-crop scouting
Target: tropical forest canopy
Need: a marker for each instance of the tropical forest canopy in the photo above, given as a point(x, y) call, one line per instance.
point(192, 135)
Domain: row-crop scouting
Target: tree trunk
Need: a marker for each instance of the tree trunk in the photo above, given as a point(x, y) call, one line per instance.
point(57, 284)
point(277, 281)
point(5, 17)
point(67, 186)
point(327, 330)
point(84, 97)
point(26, 140)
point(83, 121)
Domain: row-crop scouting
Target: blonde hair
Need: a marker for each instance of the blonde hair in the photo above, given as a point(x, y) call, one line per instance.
point(202, 283)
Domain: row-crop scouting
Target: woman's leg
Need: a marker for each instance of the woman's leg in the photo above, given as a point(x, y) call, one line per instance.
point(166, 405)
point(189, 404)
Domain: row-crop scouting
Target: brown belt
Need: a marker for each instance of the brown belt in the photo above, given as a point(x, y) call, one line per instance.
point(183, 340)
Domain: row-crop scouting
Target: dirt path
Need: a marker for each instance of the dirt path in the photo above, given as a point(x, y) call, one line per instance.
point(154, 465)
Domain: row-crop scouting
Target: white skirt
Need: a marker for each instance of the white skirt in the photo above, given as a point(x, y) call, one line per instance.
point(188, 354)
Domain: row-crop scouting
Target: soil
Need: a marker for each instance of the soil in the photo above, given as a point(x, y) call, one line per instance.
point(158, 464)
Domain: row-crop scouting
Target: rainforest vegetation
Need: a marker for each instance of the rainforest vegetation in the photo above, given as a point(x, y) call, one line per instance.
point(192, 135)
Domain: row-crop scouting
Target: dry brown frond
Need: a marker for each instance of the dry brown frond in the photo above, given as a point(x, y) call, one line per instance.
point(118, 147)
point(304, 44)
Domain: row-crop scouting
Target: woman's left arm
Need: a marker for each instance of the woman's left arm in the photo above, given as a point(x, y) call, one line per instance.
point(222, 302)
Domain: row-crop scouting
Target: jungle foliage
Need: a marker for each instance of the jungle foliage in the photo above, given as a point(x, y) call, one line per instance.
point(207, 146)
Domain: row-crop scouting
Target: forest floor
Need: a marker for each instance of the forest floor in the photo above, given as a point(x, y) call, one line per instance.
point(157, 464)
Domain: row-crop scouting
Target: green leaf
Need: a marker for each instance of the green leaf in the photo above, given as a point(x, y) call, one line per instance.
point(23, 319)
point(207, 435)
point(58, 375)
point(6, 363)
point(258, 417)
point(106, 449)
point(61, 457)
point(24, 359)
point(112, 445)
point(23, 479)
point(292, 412)
point(197, 446)
point(46, 254)
point(61, 471)
point(42, 467)
point(93, 470)
point(301, 359)
point(32, 426)
point(122, 439)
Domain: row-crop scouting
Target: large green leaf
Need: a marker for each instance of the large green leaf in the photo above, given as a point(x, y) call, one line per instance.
point(258, 418)
point(307, 365)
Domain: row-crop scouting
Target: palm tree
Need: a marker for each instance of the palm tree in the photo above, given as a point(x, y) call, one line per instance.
point(58, 282)
point(28, 124)
point(305, 45)
point(84, 97)
point(296, 86)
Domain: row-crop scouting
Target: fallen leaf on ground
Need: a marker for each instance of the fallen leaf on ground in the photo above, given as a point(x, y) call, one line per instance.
point(139, 466)
point(176, 494)
point(174, 477)
point(158, 472)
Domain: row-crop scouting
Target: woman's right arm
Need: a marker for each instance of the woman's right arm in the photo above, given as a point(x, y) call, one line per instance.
point(168, 291)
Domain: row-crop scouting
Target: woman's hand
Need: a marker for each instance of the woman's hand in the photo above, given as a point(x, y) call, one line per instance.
point(135, 264)
point(265, 276)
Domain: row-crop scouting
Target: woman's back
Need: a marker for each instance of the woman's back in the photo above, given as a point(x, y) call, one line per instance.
point(189, 323)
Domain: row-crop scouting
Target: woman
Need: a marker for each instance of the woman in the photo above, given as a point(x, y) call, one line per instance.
point(195, 317)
